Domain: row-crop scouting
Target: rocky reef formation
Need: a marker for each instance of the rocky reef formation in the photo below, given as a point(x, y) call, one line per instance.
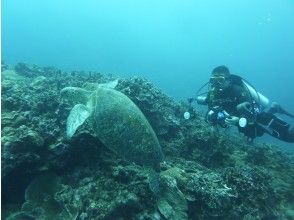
point(47, 176)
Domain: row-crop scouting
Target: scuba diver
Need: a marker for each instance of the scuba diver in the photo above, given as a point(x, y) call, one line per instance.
point(233, 100)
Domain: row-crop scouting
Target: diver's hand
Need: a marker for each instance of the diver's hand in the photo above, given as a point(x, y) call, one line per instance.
point(233, 120)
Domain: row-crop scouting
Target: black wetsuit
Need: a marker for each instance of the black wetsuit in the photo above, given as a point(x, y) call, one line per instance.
point(258, 123)
point(228, 98)
point(275, 126)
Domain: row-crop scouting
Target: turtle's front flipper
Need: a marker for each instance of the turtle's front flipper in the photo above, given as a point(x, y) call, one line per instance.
point(77, 117)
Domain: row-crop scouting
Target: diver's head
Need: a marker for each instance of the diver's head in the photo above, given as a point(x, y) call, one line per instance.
point(220, 77)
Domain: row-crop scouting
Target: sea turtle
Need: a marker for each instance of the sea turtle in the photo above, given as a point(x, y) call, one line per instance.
point(117, 122)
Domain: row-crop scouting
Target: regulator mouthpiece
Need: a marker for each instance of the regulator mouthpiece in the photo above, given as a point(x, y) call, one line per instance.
point(187, 115)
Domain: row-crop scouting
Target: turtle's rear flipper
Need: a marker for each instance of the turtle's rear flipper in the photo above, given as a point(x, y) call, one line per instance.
point(77, 117)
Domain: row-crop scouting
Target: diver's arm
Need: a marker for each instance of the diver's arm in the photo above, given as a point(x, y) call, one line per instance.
point(201, 100)
point(232, 120)
point(241, 94)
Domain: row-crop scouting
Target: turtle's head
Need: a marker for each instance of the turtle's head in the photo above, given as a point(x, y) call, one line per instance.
point(75, 94)
point(67, 93)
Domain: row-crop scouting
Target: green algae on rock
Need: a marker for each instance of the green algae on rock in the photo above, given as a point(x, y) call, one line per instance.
point(172, 203)
point(220, 177)
point(40, 195)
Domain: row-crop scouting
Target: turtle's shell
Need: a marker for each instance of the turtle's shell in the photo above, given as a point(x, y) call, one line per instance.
point(122, 127)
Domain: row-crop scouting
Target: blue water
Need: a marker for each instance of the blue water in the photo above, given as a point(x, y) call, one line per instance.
point(174, 43)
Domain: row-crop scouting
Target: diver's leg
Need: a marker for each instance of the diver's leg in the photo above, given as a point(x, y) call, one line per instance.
point(274, 108)
point(276, 127)
point(277, 108)
point(282, 130)
point(290, 135)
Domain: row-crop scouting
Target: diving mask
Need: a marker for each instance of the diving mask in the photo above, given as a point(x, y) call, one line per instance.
point(219, 81)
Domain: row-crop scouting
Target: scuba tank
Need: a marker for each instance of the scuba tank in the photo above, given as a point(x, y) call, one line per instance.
point(256, 97)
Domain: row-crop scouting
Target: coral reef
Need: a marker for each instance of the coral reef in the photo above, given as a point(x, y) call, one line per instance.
point(203, 176)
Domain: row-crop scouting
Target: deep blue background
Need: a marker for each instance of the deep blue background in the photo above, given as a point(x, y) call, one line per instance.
point(174, 43)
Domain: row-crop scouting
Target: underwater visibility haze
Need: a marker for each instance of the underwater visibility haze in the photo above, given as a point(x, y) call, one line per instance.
point(174, 43)
point(93, 101)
